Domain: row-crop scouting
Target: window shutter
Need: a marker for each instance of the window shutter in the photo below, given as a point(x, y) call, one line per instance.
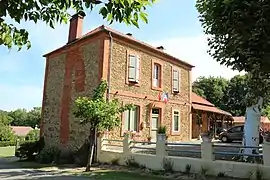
point(175, 80)
point(137, 69)
point(136, 118)
point(156, 75)
point(126, 120)
point(132, 119)
point(132, 68)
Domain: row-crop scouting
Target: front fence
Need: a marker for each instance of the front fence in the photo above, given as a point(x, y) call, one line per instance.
point(208, 155)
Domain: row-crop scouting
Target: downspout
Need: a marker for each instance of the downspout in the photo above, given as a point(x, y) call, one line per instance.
point(110, 67)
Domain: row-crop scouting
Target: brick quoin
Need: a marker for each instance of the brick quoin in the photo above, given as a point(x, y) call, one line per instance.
point(74, 61)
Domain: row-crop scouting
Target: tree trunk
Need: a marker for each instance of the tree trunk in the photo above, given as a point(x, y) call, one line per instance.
point(252, 128)
point(92, 139)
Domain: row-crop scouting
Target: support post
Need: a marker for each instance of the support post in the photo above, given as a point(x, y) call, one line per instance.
point(100, 146)
point(161, 147)
point(207, 151)
point(126, 145)
point(266, 153)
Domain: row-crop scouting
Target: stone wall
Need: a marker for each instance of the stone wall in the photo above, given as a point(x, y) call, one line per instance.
point(87, 80)
point(136, 94)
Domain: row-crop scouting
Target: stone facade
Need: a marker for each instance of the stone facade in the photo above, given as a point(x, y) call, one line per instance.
point(136, 94)
point(76, 70)
point(57, 112)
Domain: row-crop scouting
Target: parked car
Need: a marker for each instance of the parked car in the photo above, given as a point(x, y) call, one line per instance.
point(236, 133)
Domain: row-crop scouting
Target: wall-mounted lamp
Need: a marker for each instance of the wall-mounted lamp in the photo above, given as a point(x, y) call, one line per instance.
point(116, 93)
point(145, 97)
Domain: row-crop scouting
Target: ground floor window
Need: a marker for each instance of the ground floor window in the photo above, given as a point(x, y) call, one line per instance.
point(131, 119)
point(176, 121)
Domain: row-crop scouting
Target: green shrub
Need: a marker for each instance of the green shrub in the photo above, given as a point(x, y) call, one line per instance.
point(49, 155)
point(33, 135)
point(162, 129)
point(29, 149)
point(7, 143)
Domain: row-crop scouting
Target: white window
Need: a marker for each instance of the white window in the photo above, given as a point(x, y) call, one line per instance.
point(176, 121)
point(175, 80)
point(133, 68)
point(156, 75)
point(131, 119)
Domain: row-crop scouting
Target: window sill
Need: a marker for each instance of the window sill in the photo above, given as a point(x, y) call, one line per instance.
point(130, 83)
point(175, 133)
point(157, 88)
point(134, 133)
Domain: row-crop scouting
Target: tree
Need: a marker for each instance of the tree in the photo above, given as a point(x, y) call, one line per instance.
point(238, 36)
point(6, 133)
point(236, 92)
point(99, 114)
point(211, 88)
point(51, 12)
point(33, 117)
point(19, 117)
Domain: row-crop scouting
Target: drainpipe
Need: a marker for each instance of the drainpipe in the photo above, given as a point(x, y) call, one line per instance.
point(110, 67)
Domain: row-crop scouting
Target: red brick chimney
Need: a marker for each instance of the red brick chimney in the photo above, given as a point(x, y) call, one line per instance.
point(76, 26)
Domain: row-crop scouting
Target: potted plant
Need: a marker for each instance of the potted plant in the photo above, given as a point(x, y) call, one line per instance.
point(207, 136)
point(161, 133)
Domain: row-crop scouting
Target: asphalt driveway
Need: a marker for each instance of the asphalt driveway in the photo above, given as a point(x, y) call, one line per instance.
point(11, 170)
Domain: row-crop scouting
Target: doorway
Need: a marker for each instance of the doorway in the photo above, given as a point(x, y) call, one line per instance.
point(155, 121)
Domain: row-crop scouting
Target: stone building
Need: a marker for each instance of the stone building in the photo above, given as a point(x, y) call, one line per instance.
point(136, 73)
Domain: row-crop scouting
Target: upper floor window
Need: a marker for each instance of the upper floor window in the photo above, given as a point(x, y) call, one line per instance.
point(133, 68)
point(157, 75)
point(175, 80)
point(131, 119)
point(176, 121)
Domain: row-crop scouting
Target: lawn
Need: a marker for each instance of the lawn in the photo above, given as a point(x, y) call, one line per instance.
point(7, 151)
point(118, 175)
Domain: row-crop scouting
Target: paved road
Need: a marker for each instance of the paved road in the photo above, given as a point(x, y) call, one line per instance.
point(10, 171)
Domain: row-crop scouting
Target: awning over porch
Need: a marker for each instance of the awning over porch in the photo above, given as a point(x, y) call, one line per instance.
point(210, 109)
point(199, 103)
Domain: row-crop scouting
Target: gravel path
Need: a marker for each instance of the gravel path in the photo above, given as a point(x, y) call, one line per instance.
point(9, 170)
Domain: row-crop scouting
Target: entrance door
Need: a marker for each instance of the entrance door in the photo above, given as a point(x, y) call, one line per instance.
point(154, 124)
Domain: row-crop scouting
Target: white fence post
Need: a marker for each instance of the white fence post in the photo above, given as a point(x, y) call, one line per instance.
point(207, 151)
point(126, 145)
point(100, 145)
point(266, 153)
point(161, 147)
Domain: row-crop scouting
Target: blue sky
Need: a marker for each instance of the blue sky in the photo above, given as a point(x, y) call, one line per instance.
point(172, 23)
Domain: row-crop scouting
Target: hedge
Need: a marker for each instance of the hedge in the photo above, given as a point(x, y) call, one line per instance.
point(11, 143)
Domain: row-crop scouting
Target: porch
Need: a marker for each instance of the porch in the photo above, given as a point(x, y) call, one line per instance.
point(207, 117)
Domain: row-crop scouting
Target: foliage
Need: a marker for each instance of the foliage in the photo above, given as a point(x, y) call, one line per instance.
point(6, 133)
point(33, 135)
point(49, 155)
point(211, 88)
point(229, 95)
point(235, 95)
point(22, 117)
point(162, 130)
point(187, 169)
point(99, 113)
point(7, 143)
point(51, 12)
point(167, 165)
point(130, 161)
point(29, 149)
point(238, 37)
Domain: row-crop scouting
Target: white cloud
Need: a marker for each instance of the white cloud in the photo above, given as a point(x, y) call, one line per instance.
point(194, 51)
point(13, 97)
